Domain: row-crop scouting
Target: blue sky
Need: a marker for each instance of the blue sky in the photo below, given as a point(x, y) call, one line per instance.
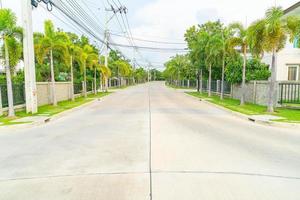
point(164, 20)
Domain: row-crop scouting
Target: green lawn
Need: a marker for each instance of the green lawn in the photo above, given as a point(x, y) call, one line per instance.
point(49, 110)
point(249, 109)
point(178, 87)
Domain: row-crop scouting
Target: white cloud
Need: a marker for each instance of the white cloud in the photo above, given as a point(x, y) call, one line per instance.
point(168, 19)
point(171, 18)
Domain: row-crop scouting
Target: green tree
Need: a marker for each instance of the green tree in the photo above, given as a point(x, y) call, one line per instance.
point(11, 35)
point(86, 58)
point(213, 51)
point(293, 28)
point(271, 34)
point(256, 70)
point(240, 39)
point(46, 45)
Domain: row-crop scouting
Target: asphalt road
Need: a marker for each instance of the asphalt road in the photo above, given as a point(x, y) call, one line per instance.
point(145, 140)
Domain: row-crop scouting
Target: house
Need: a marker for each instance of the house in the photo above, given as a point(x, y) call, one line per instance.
point(288, 60)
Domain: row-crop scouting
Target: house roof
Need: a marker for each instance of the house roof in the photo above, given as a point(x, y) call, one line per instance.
point(292, 8)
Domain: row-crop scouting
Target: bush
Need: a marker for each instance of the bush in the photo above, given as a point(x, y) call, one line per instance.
point(255, 70)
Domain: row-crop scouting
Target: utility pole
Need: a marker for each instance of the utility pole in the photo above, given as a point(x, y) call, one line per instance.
point(29, 63)
point(106, 34)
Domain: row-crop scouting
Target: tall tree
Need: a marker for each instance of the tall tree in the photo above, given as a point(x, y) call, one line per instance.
point(270, 35)
point(52, 41)
point(86, 58)
point(11, 35)
point(213, 51)
point(240, 40)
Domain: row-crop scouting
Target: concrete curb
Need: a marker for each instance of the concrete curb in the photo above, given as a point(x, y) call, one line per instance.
point(248, 117)
point(51, 118)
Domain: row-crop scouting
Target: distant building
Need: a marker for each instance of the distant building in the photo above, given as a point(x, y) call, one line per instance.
point(288, 60)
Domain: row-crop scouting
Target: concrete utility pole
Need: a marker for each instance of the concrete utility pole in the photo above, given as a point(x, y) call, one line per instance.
point(29, 63)
point(121, 9)
point(106, 35)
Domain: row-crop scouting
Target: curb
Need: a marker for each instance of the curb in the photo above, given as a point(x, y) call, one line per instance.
point(51, 118)
point(247, 117)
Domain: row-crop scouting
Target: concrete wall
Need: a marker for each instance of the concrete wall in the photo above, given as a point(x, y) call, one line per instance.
point(257, 92)
point(63, 92)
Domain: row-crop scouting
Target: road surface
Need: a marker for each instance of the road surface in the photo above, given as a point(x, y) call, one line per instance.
point(150, 142)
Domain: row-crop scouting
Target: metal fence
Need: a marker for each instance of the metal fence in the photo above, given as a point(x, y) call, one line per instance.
point(18, 94)
point(289, 93)
point(216, 85)
point(89, 86)
point(78, 88)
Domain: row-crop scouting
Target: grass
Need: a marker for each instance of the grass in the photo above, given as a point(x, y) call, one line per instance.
point(179, 87)
point(289, 115)
point(50, 110)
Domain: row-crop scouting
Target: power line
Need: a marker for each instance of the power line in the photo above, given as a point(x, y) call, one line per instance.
point(151, 41)
point(150, 48)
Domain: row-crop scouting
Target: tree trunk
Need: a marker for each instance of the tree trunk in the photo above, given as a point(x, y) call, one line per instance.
point(198, 81)
point(11, 111)
point(101, 81)
point(201, 80)
point(244, 77)
point(209, 81)
point(72, 80)
point(272, 91)
point(95, 80)
point(53, 89)
point(106, 83)
point(223, 77)
point(85, 85)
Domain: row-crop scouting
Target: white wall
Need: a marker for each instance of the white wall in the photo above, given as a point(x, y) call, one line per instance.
point(288, 56)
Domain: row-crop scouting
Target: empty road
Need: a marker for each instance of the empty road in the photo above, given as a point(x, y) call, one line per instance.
point(150, 142)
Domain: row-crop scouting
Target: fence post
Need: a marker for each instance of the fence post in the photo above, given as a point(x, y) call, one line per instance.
point(218, 87)
point(254, 91)
point(83, 87)
point(1, 110)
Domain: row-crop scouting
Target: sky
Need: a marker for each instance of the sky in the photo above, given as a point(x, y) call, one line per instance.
point(159, 20)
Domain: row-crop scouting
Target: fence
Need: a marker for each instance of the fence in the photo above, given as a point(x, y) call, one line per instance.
point(216, 85)
point(78, 88)
point(289, 93)
point(18, 94)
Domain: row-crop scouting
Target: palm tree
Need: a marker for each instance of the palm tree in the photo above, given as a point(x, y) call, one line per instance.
point(240, 39)
point(123, 69)
point(11, 34)
point(226, 51)
point(52, 41)
point(73, 50)
point(213, 50)
point(275, 41)
point(86, 57)
point(95, 66)
point(105, 73)
point(269, 35)
point(293, 27)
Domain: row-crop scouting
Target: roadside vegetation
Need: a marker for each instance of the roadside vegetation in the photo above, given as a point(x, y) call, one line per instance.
point(288, 115)
point(61, 57)
point(51, 110)
point(219, 52)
